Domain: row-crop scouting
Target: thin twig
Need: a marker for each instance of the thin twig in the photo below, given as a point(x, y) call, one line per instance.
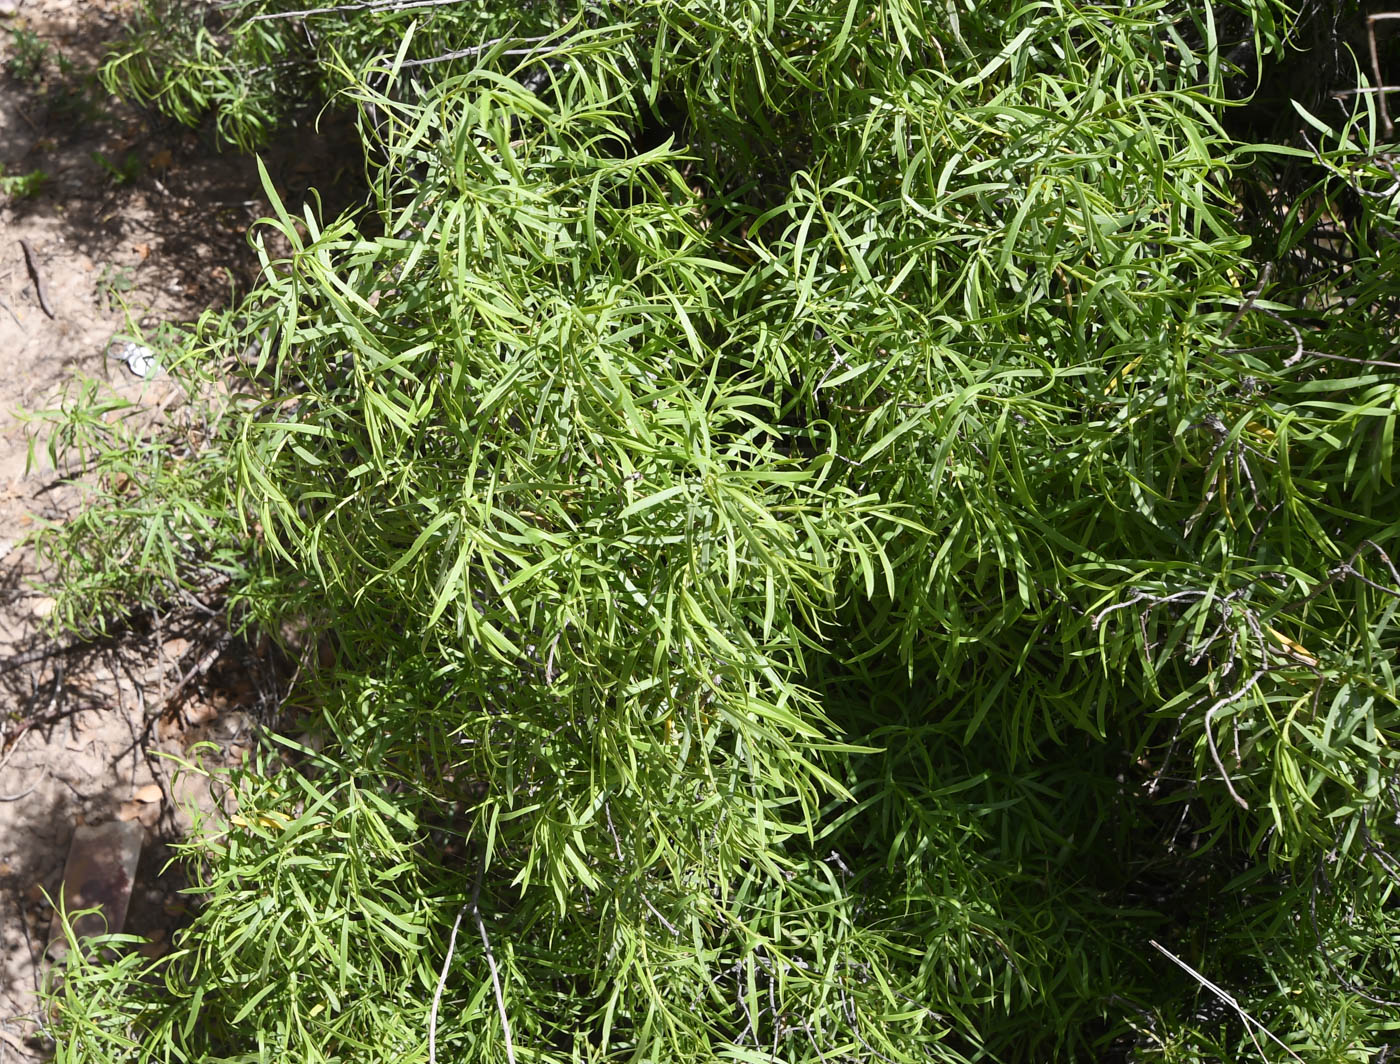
point(1264, 276)
point(442, 981)
point(10, 311)
point(491, 960)
point(477, 49)
point(1227, 998)
point(363, 5)
point(25, 725)
point(1364, 90)
point(199, 668)
point(1209, 722)
point(39, 654)
point(1376, 71)
point(25, 794)
point(1353, 361)
point(656, 913)
point(32, 261)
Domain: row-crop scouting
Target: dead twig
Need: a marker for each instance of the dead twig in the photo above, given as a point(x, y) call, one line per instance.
point(393, 6)
point(476, 49)
point(199, 668)
point(32, 261)
point(10, 311)
point(1209, 723)
point(30, 722)
point(491, 960)
point(39, 654)
point(442, 981)
point(1264, 276)
point(1250, 1023)
point(25, 794)
point(1371, 21)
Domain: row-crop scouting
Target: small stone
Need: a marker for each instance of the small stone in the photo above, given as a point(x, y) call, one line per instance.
point(175, 648)
point(100, 872)
point(131, 810)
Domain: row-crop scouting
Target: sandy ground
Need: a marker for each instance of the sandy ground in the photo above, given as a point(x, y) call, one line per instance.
point(85, 736)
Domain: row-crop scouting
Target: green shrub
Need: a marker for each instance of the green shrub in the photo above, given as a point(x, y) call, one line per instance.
point(837, 537)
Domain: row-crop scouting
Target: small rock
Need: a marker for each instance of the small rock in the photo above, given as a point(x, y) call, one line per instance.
point(176, 647)
point(100, 871)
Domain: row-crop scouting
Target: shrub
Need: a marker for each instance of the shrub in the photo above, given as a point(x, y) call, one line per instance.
point(837, 534)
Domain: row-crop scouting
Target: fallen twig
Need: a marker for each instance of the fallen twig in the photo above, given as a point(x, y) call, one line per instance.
point(52, 650)
point(25, 794)
point(199, 668)
point(11, 313)
point(32, 261)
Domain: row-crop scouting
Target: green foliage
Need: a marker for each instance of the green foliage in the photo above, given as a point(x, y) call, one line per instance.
point(28, 55)
point(123, 171)
point(837, 534)
point(22, 186)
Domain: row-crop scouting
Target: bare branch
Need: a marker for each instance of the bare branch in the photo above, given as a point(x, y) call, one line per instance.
point(1220, 704)
point(442, 981)
point(1309, 353)
point(477, 49)
point(491, 961)
point(1264, 275)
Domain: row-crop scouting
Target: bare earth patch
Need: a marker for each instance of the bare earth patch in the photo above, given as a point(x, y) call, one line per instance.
point(128, 211)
